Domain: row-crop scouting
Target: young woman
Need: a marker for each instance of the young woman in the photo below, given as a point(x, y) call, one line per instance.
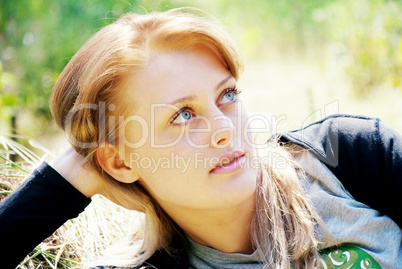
point(161, 88)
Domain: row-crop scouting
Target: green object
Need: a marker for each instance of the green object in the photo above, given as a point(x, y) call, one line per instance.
point(346, 257)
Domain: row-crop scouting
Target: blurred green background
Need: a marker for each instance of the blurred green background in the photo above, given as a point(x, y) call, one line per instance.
point(305, 59)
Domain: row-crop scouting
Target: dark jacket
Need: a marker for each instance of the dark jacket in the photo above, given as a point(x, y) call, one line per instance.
point(364, 154)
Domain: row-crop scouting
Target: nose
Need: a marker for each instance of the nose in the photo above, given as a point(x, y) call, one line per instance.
point(223, 131)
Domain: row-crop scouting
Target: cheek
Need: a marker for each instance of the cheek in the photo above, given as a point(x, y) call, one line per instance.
point(167, 140)
point(167, 174)
point(198, 134)
point(161, 160)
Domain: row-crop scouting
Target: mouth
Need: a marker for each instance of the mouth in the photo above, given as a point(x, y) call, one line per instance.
point(229, 163)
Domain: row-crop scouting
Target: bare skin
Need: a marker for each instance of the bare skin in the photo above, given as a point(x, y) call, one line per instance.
point(213, 209)
point(224, 230)
point(82, 176)
point(226, 233)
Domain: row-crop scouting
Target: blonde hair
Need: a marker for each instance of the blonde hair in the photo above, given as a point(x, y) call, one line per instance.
point(283, 228)
point(89, 86)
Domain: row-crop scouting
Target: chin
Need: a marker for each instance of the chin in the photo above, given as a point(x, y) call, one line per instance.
point(241, 188)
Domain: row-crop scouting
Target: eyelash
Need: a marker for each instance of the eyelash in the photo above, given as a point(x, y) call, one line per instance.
point(190, 107)
point(235, 90)
point(187, 106)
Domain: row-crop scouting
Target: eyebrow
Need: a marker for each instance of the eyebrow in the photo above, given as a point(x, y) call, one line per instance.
point(223, 82)
point(192, 97)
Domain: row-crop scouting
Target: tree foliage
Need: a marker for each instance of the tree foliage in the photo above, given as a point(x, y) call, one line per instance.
point(37, 38)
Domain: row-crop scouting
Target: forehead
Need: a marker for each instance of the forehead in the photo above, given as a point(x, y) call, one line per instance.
point(171, 75)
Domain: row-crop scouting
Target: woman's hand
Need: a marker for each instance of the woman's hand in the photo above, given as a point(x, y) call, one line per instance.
point(79, 173)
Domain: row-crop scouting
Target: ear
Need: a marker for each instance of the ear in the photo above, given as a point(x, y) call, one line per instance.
point(110, 161)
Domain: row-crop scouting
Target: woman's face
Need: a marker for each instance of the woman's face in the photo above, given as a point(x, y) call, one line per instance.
point(186, 139)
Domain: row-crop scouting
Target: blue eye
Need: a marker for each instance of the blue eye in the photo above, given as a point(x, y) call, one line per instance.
point(229, 96)
point(183, 116)
point(186, 115)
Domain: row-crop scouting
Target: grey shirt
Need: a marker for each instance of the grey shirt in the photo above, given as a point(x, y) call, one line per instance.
point(364, 237)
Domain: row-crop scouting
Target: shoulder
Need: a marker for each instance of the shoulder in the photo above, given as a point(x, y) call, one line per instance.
point(364, 153)
point(347, 136)
point(336, 132)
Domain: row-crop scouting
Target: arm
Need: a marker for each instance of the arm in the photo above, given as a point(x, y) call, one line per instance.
point(364, 153)
point(370, 164)
point(43, 203)
point(388, 186)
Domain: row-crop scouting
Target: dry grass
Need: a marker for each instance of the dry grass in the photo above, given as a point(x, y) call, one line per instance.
point(79, 241)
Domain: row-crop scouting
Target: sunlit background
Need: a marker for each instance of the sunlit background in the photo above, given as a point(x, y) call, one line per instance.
point(305, 58)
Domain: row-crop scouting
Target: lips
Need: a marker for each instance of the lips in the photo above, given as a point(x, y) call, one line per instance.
point(229, 162)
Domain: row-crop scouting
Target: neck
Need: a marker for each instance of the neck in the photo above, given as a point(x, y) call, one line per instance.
point(227, 230)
